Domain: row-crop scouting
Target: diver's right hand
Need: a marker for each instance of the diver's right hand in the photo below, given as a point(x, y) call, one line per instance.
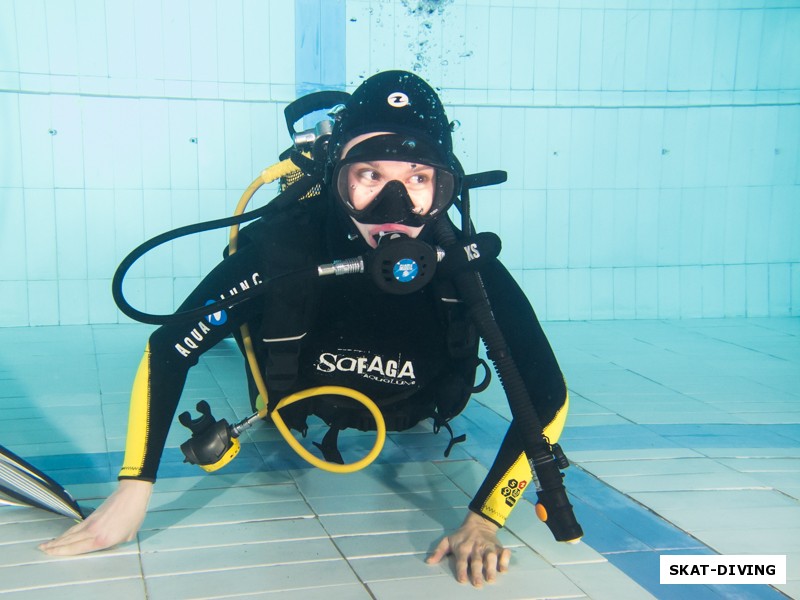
point(115, 521)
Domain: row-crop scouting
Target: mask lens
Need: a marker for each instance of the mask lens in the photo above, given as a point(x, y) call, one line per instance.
point(390, 170)
point(359, 184)
point(425, 191)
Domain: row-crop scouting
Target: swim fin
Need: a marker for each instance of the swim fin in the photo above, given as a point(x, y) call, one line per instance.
point(22, 484)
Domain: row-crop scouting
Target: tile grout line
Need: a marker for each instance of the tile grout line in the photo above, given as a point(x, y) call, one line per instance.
point(332, 538)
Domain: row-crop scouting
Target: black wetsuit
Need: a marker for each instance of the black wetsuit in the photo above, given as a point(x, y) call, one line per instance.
point(353, 335)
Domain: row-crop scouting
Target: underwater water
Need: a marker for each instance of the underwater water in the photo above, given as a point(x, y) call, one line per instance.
point(651, 215)
point(652, 147)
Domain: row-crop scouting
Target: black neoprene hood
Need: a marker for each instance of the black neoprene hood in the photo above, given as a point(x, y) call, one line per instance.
point(396, 102)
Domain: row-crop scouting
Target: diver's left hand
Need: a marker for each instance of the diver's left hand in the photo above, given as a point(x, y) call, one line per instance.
point(478, 553)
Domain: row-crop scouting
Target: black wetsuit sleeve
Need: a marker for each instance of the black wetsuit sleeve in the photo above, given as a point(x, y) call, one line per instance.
point(173, 349)
point(534, 358)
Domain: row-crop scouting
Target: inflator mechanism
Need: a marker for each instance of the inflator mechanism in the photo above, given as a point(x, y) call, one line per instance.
point(546, 460)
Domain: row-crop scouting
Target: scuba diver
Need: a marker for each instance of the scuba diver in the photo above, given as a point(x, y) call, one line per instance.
point(388, 173)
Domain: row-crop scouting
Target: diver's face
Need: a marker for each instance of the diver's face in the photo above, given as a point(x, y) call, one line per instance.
point(365, 181)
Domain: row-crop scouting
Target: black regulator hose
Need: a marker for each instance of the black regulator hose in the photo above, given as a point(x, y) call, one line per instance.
point(291, 194)
point(553, 507)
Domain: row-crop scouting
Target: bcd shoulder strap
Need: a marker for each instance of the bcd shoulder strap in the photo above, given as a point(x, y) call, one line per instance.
point(289, 241)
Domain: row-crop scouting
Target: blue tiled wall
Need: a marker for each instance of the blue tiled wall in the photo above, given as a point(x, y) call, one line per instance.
point(652, 147)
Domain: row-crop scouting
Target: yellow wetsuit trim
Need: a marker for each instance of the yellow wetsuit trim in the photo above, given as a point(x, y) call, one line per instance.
point(554, 429)
point(138, 419)
point(509, 488)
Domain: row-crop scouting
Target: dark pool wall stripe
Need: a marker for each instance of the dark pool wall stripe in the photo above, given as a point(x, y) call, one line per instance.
point(320, 46)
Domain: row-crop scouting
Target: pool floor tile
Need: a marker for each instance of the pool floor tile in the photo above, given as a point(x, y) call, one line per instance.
point(604, 581)
point(238, 556)
point(132, 588)
point(231, 534)
point(251, 580)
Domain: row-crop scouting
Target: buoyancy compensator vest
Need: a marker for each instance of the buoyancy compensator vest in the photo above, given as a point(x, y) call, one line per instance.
point(291, 310)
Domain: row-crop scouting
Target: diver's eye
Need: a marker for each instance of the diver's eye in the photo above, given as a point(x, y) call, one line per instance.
point(368, 175)
point(420, 178)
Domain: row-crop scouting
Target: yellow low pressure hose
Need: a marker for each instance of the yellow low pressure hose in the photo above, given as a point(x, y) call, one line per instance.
point(380, 429)
point(269, 175)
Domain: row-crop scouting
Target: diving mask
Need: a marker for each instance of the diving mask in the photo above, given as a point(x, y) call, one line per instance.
point(392, 178)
